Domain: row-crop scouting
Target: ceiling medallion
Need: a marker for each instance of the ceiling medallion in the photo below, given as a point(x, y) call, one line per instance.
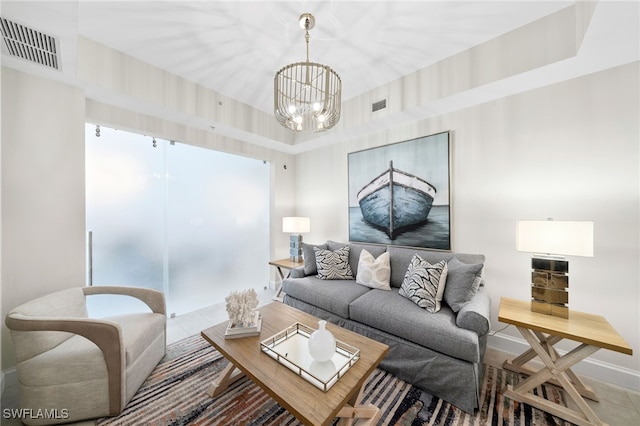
point(307, 95)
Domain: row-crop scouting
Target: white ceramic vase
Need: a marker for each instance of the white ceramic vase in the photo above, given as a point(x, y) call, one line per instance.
point(322, 344)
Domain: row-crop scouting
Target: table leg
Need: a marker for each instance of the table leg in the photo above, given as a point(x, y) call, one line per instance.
point(354, 410)
point(557, 369)
point(277, 296)
point(227, 377)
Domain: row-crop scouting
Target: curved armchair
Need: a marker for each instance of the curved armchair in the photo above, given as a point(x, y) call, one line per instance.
point(79, 367)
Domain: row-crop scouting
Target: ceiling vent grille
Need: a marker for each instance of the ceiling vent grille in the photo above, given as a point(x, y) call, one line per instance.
point(26, 43)
point(377, 106)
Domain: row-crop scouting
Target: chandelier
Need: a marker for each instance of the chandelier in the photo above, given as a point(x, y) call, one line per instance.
point(307, 95)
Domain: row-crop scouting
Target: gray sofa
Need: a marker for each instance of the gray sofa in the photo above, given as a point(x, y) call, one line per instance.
point(440, 353)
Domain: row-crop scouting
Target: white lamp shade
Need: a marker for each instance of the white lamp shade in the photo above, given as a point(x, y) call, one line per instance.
point(555, 237)
point(296, 225)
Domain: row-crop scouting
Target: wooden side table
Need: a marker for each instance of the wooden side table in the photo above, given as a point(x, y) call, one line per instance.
point(541, 331)
point(280, 265)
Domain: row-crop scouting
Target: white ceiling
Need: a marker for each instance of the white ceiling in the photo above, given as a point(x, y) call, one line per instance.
point(235, 47)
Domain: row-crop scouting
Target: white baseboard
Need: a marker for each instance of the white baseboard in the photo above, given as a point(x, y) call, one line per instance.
point(599, 370)
point(9, 378)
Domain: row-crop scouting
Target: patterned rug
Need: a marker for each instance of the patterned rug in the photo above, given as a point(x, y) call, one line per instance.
point(175, 394)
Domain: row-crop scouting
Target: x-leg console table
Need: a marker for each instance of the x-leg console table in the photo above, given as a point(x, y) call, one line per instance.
point(542, 332)
point(280, 265)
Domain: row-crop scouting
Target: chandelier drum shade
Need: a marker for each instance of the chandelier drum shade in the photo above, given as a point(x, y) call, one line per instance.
point(307, 95)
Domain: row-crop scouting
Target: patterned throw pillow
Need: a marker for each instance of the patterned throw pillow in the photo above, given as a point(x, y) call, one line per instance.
point(374, 273)
point(333, 265)
point(422, 283)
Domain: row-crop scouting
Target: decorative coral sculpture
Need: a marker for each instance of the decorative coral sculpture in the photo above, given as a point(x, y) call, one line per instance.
point(240, 306)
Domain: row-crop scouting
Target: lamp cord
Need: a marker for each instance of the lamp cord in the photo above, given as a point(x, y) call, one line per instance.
point(493, 333)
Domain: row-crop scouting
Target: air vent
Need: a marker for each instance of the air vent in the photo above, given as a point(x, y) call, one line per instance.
point(26, 43)
point(377, 106)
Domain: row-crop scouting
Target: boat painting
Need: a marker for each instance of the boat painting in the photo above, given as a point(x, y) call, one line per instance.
point(396, 201)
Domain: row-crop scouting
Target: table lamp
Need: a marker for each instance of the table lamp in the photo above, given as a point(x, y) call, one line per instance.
point(296, 226)
point(550, 241)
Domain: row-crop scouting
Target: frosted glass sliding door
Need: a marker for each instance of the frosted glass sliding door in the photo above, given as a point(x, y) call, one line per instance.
point(188, 221)
point(218, 222)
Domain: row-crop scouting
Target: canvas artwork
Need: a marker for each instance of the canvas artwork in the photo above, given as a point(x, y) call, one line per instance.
point(399, 194)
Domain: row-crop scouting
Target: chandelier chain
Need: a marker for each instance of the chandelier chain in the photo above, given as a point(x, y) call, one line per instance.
point(306, 35)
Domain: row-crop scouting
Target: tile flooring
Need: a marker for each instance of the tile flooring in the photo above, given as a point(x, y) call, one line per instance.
point(617, 406)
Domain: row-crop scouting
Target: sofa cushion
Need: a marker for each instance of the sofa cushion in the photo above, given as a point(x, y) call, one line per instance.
point(354, 251)
point(463, 280)
point(390, 312)
point(331, 295)
point(372, 272)
point(401, 257)
point(309, 256)
point(424, 284)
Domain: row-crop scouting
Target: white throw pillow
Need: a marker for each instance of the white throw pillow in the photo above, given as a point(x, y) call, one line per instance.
point(374, 273)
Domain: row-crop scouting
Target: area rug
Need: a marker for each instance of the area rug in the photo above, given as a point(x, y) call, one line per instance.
point(175, 394)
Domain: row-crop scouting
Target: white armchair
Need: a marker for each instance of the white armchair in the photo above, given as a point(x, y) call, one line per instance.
point(80, 367)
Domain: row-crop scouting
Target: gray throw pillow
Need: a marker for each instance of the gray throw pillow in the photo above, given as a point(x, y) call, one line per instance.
point(309, 256)
point(333, 265)
point(463, 280)
point(421, 283)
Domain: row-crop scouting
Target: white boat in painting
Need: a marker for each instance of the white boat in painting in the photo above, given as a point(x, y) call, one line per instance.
point(396, 201)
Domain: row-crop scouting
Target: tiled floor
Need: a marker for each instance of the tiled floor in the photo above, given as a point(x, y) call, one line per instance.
point(617, 406)
point(192, 323)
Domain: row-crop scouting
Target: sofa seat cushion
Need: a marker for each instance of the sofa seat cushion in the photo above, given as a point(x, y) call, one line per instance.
point(76, 357)
point(331, 295)
point(139, 330)
point(394, 314)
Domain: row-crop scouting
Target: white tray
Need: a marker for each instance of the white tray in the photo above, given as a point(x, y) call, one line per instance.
point(290, 348)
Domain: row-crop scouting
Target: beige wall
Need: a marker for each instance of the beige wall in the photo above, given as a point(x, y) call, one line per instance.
point(43, 217)
point(568, 151)
point(43, 192)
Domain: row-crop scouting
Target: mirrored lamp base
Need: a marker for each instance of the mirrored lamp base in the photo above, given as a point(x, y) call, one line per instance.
point(549, 286)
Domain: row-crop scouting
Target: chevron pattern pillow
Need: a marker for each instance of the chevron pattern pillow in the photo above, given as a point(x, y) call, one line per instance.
point(333, 265)
point(423, 283)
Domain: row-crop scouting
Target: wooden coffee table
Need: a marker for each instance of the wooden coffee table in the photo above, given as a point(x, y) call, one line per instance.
point(305, 401)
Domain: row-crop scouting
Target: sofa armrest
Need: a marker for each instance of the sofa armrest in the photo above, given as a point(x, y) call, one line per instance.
point(475, 315)
point(105, 334)
point(153, 298)
point(297, 272)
